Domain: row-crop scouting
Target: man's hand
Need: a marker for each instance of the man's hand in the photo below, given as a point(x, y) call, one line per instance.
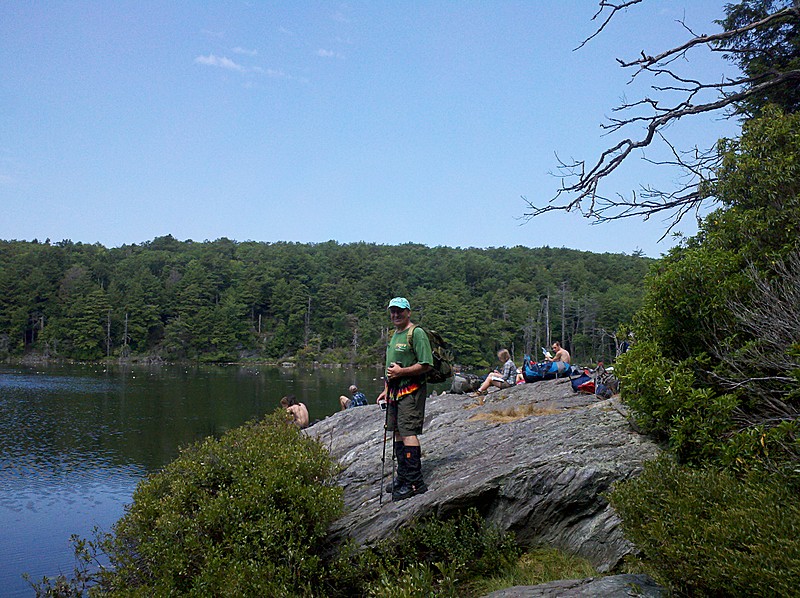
point(394, 371)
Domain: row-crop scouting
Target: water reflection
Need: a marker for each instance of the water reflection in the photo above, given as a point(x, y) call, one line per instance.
point(75, 441)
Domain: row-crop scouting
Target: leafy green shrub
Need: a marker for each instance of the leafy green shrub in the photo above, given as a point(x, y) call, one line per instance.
point(685, 294)
point(769, 449)
point(707, 533)
point(439, 557)
point(243, 515)
point(418, 580)
point(465, 540)
point(713, 369)
point(686, 307)
point(247, 515)
point(665, 403)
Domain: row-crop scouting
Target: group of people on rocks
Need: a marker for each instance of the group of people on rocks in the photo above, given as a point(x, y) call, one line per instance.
point(510, 375)
point(298, 412)
point(408, 359)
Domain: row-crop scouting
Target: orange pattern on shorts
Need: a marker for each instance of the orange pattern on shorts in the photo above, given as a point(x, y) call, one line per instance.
point(395, 394)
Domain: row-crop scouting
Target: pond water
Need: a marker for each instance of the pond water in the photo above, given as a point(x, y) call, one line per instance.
point(75, 441)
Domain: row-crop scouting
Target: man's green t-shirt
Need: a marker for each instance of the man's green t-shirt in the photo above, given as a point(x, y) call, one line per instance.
point(399, 352)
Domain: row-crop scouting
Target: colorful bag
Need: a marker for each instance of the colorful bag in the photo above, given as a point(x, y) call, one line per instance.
point(581, 381)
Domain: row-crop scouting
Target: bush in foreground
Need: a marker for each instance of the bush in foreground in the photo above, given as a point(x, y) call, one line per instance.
point(248, 514)
point(243, 515)
point(457, 557)
point(708, 533)
point(667, 403)
point(441, 557)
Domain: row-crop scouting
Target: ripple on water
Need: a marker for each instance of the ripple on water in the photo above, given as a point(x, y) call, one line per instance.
point(37, 383)
point(39, 518)
point(68, 434)
point(59, 474)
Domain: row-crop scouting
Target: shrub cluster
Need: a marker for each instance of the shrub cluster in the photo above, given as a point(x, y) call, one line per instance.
point(703, 532)
point(243, 515)
point(668, 404)
point(440, 557)
point(247, 515)
point(715, 372)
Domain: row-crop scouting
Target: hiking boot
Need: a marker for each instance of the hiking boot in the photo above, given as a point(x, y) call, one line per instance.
point(412, 482)
point(408, 490)
point(400, 457)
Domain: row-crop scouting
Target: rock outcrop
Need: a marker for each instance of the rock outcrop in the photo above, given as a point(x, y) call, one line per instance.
point(535, 460)
point(614, 586)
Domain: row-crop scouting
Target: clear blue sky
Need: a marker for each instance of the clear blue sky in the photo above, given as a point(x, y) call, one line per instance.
point(305, 121)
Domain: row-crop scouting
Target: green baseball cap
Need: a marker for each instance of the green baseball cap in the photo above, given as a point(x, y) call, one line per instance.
point(400, 302)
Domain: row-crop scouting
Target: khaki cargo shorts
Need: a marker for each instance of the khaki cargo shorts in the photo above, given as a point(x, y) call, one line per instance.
point(407, 415)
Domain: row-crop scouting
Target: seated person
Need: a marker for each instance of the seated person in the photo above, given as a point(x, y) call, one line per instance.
point(501, 379)
point(358, 399)
point(560, 356)
point(297, 410)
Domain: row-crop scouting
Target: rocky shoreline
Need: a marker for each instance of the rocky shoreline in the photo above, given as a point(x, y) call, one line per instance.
point(535, 459)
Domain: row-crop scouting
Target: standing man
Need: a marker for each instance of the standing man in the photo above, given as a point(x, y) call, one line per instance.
point(405, 391)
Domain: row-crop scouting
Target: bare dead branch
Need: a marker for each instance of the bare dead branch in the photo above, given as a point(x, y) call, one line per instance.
point(614, 9)
point(586, 187)
point(580, 181)
point(647, 61)
point(770, 317)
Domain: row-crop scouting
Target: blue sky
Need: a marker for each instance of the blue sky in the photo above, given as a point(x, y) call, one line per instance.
point(383, 122)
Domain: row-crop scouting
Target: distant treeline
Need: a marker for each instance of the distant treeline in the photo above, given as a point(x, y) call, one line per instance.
point(226, 300)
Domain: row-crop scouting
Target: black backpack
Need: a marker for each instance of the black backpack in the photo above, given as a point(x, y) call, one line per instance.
point(442, 355)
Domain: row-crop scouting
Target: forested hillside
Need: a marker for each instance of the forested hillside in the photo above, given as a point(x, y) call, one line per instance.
point(227, 300)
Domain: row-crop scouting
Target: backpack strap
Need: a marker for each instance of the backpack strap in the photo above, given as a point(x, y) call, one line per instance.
point(410, 341)
point(410, 338)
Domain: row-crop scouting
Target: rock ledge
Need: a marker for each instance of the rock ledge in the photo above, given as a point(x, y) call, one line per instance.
point(535, 460)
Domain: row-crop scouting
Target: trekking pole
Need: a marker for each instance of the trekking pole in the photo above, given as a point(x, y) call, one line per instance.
point(383, 456)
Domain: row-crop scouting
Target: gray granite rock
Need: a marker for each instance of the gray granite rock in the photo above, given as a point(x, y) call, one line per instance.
point(615, 586)
point(540, 474)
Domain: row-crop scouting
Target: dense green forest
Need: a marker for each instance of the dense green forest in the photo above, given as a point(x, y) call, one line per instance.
point(225, 300)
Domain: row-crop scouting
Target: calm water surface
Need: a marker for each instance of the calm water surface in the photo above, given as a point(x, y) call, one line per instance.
point(75, 441)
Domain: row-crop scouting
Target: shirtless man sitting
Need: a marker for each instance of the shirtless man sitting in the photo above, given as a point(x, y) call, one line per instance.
point(297, 410)
point(560, 355)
